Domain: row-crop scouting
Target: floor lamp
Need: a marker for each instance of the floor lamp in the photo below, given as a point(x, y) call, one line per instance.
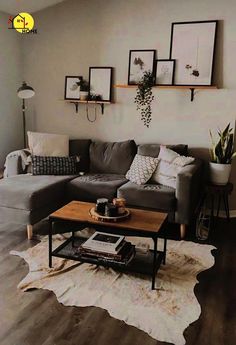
point(24, 92)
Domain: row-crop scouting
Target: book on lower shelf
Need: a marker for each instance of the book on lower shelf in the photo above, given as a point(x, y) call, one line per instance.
point(114, 249)
point(103, 242)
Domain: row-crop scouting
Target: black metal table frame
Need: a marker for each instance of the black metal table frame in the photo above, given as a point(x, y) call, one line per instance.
point(108, 229)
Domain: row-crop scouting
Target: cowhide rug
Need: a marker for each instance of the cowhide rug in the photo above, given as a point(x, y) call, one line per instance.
point(163, 313)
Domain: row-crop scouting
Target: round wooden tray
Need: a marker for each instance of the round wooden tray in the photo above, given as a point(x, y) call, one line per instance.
point(97, 216)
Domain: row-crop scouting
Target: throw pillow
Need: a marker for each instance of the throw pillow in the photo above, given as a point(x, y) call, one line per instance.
point(141, 169)
point(171, 163)
point(44, 144)
point(43, 165)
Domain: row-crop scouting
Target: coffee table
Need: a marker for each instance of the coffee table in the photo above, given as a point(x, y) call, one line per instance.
point(142, 223)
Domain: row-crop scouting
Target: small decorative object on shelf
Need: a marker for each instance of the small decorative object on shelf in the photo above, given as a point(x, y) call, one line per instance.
point(144, 97)
point(72, 89)
point(222, 154)
point(140, 62)
point(111, 210)
point(165, 70)
point(193, 47)
point(84, 89)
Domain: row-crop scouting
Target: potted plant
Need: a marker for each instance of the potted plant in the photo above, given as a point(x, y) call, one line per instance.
point(84, 89)
point(221, 156)
point(144, 97)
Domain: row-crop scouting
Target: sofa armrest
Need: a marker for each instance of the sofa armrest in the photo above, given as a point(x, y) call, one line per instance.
point(16, 163)
point(188, 191)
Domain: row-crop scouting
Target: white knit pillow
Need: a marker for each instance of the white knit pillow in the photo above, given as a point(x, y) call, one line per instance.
point(171, 163)
point(44, 144)
point(141, 169)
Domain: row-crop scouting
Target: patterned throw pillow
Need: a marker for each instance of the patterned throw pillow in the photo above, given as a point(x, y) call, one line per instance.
point(171, 163)
point(44, 165)
point(141, 169)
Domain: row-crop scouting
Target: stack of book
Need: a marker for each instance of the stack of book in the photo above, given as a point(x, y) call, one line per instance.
point(108, 248)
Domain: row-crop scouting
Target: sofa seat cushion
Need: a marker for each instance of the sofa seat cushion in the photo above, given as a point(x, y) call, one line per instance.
point(27, 192)
point(90, 187)
point(149, 195)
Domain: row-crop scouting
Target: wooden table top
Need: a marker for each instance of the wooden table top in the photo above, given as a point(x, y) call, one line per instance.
point(144, 220)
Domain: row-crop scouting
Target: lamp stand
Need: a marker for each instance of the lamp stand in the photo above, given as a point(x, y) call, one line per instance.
point(23, 115)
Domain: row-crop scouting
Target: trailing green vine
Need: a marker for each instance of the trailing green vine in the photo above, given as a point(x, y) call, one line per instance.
point(144, 97)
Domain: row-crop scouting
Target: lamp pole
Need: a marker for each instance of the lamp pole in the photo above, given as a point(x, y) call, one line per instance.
point(24, 92)
point(24, 127)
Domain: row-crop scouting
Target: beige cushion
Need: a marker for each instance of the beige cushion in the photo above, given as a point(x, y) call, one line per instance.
point(44, 144)
point(171, 163)
point(141, 169)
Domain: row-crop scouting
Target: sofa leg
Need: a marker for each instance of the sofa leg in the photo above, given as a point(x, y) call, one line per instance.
point(29, 231)
point(182, 230)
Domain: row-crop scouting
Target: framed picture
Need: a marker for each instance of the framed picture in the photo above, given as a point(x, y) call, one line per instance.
point(193, 48)
point(100, 82)
point(140, 61)
point(72, 89)
point(165, 72)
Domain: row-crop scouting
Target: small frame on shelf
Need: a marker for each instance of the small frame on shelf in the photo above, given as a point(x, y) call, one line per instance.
point(193, 47)
point(100, 83)
point(140, 61)
point(72, 88)
point(165, 70)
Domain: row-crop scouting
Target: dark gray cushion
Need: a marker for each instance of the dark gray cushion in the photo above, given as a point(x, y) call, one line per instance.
point(112, 158)
point(90, 187)
point(28, 192)
point(149, 195)
point(153, 150)
point(80, 147)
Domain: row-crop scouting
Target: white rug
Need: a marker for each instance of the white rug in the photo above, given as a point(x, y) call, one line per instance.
point(163, 313)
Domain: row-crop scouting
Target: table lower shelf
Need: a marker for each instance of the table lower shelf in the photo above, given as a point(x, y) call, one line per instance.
point(141, 263)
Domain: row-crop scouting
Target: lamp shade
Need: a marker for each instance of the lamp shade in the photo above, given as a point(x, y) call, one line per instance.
point(25, 91)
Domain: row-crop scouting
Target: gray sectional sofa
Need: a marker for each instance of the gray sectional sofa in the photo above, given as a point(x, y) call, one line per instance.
point(27, 199)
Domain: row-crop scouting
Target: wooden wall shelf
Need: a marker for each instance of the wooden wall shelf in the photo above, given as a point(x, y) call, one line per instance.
point(192, 88)
point(77, 102)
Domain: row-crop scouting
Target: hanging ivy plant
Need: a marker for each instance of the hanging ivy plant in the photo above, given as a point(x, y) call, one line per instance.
point(144, 97)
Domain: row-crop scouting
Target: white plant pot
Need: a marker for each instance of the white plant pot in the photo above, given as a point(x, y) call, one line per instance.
point(219, 173)
point(83, 95)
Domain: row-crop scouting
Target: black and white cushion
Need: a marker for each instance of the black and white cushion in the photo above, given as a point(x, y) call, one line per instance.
point(141, 169)
point(44, 165)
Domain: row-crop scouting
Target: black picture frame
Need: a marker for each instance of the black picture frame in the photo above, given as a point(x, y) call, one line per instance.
point(196, 72)
point(152, 64)
point(66, 93)
point(99, 89)
point(172, 61)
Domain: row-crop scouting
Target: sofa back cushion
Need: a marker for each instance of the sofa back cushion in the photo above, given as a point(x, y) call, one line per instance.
point(112, 158)
point(80, 147)
point(153, 150)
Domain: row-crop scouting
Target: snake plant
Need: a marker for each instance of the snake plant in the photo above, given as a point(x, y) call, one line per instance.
point(222, 152)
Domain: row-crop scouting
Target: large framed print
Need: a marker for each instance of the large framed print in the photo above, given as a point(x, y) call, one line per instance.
point(72, 88)
point(165, 72)
point(100, 82)
point(140, 61)
point(193, 48)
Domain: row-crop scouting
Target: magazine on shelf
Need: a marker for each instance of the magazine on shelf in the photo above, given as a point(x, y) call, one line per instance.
point(126, 248)
point(103, 242)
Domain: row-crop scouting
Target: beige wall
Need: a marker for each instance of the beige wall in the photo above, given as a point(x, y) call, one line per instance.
point(11, 136)
point(77, 34)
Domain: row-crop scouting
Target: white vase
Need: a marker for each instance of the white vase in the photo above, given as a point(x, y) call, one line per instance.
point(219, 173)
point(83, 95)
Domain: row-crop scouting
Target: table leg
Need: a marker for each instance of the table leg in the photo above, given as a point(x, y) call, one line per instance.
point(73, 238)
point(212, 206)
point(165, 245)
point(226, 204)
point(50, 244)
point(218, 208)
point(154, 263)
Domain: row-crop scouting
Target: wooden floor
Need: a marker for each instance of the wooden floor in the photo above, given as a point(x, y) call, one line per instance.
point(36, 318)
